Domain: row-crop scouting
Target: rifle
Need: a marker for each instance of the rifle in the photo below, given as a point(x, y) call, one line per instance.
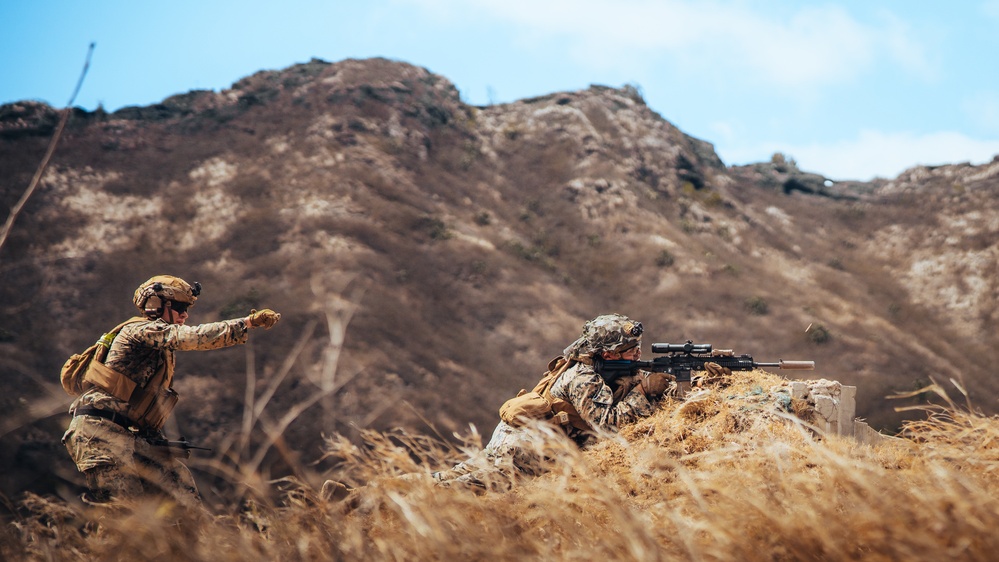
point(180, 448)
point(681, 359)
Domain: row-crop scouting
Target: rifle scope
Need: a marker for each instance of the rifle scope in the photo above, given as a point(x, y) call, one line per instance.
point(689, 347)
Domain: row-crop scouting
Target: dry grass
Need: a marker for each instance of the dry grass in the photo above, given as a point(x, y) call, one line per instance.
point(729, 474)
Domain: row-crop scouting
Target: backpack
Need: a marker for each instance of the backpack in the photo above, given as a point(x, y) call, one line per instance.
point(539, 404)
point(74, 370)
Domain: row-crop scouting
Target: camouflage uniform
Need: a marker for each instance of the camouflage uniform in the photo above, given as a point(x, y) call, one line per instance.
point(511, 451)
point(118, 461)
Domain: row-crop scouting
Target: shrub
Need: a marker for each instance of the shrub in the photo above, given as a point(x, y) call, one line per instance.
point(434, 227)
point(534, 254)
point(782, 162)
point(713, 199)
point(757, 305)
point(818, 334)
point(634, 91)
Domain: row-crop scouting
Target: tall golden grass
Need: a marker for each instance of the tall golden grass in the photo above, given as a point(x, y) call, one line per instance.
point(731, 473)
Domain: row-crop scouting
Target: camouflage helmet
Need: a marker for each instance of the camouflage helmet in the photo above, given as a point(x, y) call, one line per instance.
point(150, 296)
point(609, 332)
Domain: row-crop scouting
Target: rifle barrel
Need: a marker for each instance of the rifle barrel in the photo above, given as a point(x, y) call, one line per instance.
point(796, 365)
point(776, 365)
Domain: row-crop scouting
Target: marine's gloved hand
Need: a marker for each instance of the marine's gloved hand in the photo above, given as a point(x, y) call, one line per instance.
point(266, 318)
point(622, 386)
point(713, 373)
point(654, 385)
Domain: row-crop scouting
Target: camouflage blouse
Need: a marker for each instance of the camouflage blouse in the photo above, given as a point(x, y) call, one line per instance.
point(141, 347)
point(582, 387)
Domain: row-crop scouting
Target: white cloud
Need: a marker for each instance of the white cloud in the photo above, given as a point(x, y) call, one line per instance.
point(798, 55)
point(873, 153)
point(814, 47)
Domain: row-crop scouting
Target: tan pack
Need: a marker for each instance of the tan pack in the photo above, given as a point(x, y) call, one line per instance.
point(74, 370)
point(539, 404)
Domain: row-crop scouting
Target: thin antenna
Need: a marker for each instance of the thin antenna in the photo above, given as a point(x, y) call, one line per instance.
point(16, 209)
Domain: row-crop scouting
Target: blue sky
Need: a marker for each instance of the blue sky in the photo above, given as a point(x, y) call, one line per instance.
point(851, 89)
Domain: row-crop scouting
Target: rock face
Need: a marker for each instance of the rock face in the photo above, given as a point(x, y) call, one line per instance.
point(27, 118)
point(835, 408)
point(429, 257)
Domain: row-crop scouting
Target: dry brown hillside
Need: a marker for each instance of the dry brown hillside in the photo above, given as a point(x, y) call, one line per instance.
point(429, 257)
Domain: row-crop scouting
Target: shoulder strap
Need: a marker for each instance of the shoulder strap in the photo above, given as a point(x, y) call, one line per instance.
point(100, 375)
point(104, 344)
point(556, 367)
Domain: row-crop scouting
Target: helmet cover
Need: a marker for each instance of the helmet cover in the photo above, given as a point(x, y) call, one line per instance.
point(608, 332)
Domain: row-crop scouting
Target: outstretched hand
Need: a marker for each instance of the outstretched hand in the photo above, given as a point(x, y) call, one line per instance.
point(266, 318)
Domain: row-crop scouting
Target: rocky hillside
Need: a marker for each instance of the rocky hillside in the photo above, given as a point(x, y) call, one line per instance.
point(429, 257)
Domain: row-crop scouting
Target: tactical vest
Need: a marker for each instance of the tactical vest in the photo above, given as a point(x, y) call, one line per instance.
point(149, 405)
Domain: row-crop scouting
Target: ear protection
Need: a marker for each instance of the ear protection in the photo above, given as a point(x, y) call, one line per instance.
point(153, 304)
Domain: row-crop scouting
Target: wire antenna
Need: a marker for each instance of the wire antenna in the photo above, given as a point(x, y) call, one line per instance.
point(16, 209)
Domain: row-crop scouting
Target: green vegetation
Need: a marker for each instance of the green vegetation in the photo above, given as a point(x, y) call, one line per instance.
point(665, 259)
point(534, 253)
point(435, 228)
point(634, 91)
point(712, 199)
point(818, 334)
point(757, 305)
point(783, 163)
point(483, 218)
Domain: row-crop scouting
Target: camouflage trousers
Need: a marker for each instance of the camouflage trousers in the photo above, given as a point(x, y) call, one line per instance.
point(119, 464)
point(510, 453)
